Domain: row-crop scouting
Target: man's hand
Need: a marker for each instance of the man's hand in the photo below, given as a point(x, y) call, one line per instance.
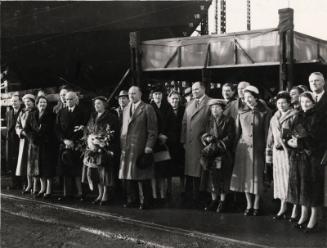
point(147, 150)
point(162, 138)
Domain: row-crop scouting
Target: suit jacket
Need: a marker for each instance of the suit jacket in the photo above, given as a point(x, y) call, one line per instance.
point(193, 126)
point(138, 131)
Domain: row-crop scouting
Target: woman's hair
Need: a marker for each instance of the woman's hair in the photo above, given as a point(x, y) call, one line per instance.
point(283, 95)
point(39, 98)
point(308, 95)
point(256, 96)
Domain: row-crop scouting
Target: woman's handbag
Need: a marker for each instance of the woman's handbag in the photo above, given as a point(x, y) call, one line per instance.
point(162, 155)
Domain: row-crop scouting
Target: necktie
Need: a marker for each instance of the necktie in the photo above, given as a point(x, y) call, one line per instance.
point(197, 103)
point(316, 98)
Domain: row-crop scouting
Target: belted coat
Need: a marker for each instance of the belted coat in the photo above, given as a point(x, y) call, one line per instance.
point(251, 131)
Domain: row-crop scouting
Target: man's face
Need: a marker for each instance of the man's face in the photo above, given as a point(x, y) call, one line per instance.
point(15, 102)
point(123, 101)
point(227, 93)
point(62, 95)
point(317, 83)
point(240, 89)
point(134, 94)
point(197, 90)
point(70, 100)
point(294, 94)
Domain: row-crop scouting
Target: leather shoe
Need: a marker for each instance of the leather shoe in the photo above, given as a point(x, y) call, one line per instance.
point(96, 201)
point(312, 229)
point(301, 226)
point(212, 206)
point(292, 220)
point(221, 207)
point(47, 196)
point(256, 212)
point(280, 217)
point(248, 212)
point(129, 205)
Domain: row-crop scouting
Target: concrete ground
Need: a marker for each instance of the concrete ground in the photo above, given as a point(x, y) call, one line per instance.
point(62, 224)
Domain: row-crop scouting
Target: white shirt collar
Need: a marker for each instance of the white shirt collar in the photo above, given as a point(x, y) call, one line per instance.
point(318, 95)
point(72, 108)
point(135, 105)
point(200, 99)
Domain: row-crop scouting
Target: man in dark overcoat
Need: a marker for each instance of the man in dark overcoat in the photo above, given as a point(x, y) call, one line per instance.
point(12, 140)
point(70, 122)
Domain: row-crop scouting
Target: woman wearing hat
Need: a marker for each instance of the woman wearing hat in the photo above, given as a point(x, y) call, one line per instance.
point(251, 131)
point(216, 158)
point(101, 132)
point(307, 145)
point(166, 138)
point(23, 128)
point(277, 152)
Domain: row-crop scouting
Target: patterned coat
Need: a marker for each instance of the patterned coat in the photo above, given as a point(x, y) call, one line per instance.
point(193, 126)
point(280, 126)
point(251, 132)
point(138, 131)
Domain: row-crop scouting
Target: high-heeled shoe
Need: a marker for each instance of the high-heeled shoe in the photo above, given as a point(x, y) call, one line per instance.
point(301, 226)
point(212, 206)
point(292, 219)
point(221, 207)
point(280, 217)
point(256, 212)
point(25, 192)
point(311, 229)
point(47, 196)
point(96, 201)
point(104, 203)
point(248, 212)
point(39, 194)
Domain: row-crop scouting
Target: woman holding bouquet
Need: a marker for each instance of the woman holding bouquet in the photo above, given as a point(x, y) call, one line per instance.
point(102, 135)
point(306, 173)
point(216, 158)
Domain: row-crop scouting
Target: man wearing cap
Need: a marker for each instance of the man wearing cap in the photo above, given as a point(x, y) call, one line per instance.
point(12, 140)
point(138, 137)
point(122, 102)
point(69, 129)
point(193, 126)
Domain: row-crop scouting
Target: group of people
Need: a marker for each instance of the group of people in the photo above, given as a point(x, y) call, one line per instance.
point(213, 145)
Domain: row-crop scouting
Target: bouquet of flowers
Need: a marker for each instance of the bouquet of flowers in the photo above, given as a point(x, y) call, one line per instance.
point(97, 150)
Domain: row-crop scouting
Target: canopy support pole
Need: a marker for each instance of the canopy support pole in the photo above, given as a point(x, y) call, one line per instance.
point(135, 54)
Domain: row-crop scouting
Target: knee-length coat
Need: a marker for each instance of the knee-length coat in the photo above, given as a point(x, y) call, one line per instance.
point(42, 141)
point(223, 130)
point(98, 126)
point(306, 180)
point(27, 162)
point(138, 131)
point(165, 120)
point(251, 129)
point(280, 126)
point(193, 126)
point(65, 124)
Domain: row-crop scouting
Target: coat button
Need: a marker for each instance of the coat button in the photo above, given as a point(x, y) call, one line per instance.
point(251, 123)
point(250, 135)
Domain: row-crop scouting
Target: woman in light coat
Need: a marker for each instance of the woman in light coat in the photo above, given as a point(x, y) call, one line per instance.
point(26, 157)
point(251, 132)
point(279, 128)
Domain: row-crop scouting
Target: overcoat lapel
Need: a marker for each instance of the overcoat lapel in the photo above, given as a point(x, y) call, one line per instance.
point(202, 105)
point(137, 111)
